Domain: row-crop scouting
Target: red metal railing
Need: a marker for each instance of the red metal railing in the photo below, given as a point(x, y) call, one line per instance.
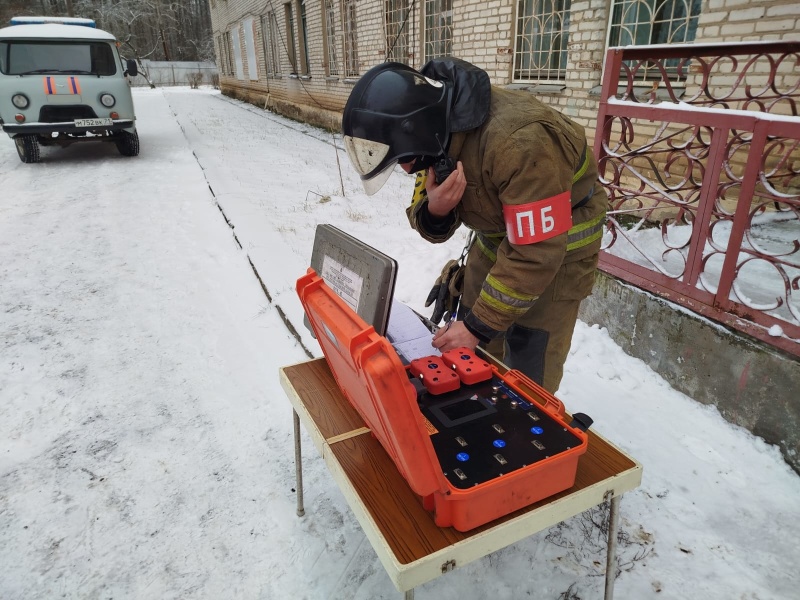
point(702, 166)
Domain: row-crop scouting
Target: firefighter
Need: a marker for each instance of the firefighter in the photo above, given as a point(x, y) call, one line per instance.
point(516, 172)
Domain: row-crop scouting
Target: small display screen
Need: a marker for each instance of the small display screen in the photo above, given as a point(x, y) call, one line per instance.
point(465, 408)
point(461, 411)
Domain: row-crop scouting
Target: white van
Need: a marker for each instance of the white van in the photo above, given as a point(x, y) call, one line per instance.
point(62, 81)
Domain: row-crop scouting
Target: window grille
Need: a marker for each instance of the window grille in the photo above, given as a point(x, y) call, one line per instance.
point(438, 29)
point(291, 51)
point(640, 22)
point(269, 33)
point(220, 54)
point(228, 53)
point(302, 35)
point(350, 40)
point(397, 16)
point(332, 39)
point(540, 49)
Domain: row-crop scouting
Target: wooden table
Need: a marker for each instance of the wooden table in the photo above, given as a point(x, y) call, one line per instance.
point(412, 549)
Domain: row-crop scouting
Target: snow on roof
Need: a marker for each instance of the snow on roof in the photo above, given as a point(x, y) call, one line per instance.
point(53, 31)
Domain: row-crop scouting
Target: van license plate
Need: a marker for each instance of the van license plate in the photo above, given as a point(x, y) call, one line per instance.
point(93, 122)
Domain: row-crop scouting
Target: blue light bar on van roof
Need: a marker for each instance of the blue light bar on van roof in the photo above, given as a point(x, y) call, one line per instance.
point(57, 20)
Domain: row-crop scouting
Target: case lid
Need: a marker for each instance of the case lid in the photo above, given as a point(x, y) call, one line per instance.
point(373, 379)
point(361, 275)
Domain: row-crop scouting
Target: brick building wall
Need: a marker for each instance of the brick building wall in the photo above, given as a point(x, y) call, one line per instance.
point(482, 33)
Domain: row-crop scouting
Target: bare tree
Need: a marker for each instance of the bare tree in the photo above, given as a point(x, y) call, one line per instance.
point(156, 29)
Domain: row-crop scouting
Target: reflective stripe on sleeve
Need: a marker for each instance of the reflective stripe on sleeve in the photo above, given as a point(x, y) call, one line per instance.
point(585, 233)
point(488, 246)
point(584, 165)
point(504, 299)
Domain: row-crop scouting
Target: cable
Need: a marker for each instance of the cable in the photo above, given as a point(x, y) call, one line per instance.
point(305, 89)
point(288, 56)
point(302, 83)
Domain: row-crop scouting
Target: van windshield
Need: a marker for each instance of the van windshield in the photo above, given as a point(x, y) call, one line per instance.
point(28, 57)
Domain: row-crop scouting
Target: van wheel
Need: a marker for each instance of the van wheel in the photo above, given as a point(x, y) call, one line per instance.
point(27, 148)
point(128, 144)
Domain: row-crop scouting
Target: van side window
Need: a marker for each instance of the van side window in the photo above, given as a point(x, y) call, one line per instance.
point(3, 56)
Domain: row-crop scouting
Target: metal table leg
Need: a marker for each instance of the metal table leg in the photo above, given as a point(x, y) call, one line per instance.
point(611, 562)
point(410, 594)
point(298, 465)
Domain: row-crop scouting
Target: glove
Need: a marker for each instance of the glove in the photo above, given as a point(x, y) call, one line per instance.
point(446, 291)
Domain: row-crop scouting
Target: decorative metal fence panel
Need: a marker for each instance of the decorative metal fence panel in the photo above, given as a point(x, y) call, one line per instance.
point(702, 168)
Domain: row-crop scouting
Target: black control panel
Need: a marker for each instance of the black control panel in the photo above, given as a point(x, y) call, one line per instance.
point(486, 430)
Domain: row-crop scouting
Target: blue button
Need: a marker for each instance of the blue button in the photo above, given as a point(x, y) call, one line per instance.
point(462, 456)
point(499, 444)
point(537, 430)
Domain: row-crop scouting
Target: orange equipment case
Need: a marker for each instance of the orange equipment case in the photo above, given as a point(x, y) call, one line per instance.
point(378, 385)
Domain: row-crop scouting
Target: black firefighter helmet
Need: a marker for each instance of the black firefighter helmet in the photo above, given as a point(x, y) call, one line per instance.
point(395, 115)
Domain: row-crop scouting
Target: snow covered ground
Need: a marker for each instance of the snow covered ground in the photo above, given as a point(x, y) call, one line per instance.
point(145, 442)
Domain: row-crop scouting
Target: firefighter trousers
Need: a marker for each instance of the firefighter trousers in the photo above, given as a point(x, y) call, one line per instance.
point(538, 342)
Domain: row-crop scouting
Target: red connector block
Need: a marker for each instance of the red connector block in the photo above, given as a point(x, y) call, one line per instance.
point(434, 374)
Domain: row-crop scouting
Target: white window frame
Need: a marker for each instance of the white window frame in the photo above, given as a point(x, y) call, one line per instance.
point(238, 63)
point(250, 48)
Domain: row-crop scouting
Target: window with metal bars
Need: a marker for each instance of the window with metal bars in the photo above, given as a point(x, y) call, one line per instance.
point(351, 68)
point(269, 34)
point(291, 51)
point(217, 44)
point(542, 35)
point(302, 34)
point(228, 53)
point(642, 22)
point(397, 26)
point(438, 29)
point(340, 38)
point(332, 39)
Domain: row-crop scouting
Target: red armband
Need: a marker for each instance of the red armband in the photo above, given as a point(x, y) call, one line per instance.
point(538, 221)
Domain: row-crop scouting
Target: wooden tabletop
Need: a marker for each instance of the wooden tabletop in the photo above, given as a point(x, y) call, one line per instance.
point(411, 546)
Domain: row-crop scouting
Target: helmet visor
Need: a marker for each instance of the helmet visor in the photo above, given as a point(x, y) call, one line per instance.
point(374, 183)
point(366, 157)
